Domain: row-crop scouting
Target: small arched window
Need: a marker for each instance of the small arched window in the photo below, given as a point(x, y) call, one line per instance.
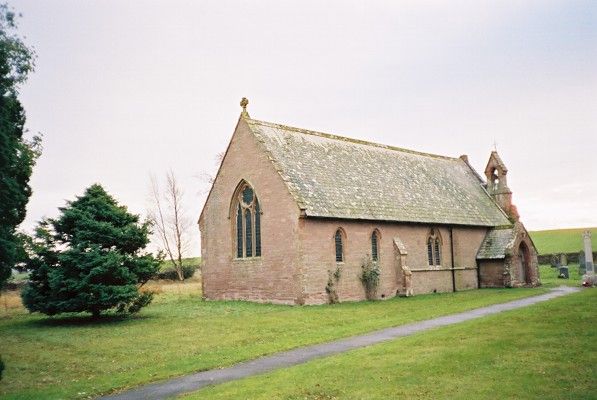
point(248, 223)
point(495, 180)
point(375, 245)
point(339, 246)
point(434, 248)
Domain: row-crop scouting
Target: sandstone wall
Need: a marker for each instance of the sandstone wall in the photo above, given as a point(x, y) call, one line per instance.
point(318, 257)
point(492, 273)
point(273, 277)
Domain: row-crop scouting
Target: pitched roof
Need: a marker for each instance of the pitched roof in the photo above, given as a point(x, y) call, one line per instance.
point(496, 244)
point(337, 177)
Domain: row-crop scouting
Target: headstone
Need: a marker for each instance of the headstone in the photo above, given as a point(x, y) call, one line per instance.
point(555, 261)
point(563, 260)
point(564, 273)
point(588, 253)
point(582, 266)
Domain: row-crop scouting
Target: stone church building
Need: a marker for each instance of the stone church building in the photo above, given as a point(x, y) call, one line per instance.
point(290, 207)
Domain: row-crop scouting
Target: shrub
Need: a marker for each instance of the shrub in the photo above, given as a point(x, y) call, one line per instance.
point(170, 273)
point(138, 302)
point(89, 259)
point(370, 277)
point(2, 366)
point(330, 288)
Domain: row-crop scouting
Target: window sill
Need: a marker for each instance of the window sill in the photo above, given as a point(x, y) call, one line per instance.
point(247, 259)
point(430, 268)
point(433, 268)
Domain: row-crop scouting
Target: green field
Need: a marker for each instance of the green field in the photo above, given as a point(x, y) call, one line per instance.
point(53, 358)
point(561, 240)
point(545, 351)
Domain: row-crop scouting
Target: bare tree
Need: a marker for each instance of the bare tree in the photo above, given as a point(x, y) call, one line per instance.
point(208, 178)
point(170, 222)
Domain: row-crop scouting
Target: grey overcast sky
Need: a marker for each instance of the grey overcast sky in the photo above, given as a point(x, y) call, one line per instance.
point(123, 89)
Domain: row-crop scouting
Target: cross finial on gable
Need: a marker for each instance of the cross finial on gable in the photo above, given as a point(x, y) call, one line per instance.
point(244, 103)
point(494, 146)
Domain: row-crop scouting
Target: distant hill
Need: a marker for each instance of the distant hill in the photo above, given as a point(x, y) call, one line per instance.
point(562, 240)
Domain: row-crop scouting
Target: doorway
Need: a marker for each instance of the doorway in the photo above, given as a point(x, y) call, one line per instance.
point(523, 254)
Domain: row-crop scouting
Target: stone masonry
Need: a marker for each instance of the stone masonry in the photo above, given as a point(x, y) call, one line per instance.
point(298, 250)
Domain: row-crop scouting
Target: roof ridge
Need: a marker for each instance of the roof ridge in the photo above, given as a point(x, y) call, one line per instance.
point(350, 140)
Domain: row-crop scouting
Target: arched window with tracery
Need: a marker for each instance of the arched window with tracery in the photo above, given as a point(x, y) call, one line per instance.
point(434, 248)
point(339, 245)
point(375, 245)
point(248, 223)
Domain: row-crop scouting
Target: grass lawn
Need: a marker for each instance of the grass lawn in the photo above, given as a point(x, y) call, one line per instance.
point(179, 333)
point(549, 276)
point(561, 240)
point(545, 351)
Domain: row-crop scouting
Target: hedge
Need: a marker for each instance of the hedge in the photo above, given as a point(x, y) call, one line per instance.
point(572, 257)
point(170, 272)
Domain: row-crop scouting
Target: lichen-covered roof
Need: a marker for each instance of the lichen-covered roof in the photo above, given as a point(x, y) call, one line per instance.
point(496, 244)
point(336, 177)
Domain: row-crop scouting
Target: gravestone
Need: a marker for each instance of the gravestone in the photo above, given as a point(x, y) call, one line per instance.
point(582, 267)
point(563, 260)
point(555, 261)
point(590, 270)
point(564, 273)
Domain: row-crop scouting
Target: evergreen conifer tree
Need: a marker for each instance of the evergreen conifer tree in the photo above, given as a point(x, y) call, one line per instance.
point(17, 155)
point(89, 259)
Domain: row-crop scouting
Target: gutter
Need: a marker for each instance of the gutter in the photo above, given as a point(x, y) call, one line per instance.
point(452, 260)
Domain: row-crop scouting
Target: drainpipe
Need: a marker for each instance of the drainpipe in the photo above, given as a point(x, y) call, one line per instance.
point(478, 275)
point(452, 259)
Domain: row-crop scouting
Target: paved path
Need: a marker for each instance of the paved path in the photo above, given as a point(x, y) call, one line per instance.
point(188, 383)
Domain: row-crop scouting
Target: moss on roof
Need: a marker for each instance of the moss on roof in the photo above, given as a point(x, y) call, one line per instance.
point(337, 177)
point(496, 244)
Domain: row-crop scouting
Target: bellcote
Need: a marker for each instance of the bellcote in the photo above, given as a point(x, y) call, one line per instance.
point(497, 185)
point(496, 172)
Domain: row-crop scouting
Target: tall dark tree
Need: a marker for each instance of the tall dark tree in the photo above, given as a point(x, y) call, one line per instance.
point(90, 259)
point(17, 155)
